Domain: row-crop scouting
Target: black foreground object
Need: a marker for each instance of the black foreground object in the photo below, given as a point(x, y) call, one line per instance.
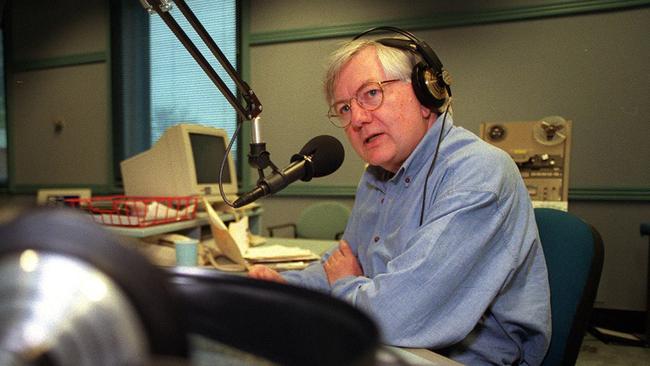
point(281, 323)
point(68, 233)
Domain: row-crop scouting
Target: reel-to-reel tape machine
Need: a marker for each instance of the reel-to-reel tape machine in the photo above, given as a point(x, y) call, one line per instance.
point(541, 150)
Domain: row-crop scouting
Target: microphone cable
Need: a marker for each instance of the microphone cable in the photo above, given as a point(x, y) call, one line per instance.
point(433, 163)
point(223, 164)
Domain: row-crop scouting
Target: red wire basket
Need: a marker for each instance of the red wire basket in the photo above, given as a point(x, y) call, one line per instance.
point(134, 211)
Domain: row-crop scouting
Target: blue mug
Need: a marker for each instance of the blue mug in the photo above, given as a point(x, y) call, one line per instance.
point(187, 252)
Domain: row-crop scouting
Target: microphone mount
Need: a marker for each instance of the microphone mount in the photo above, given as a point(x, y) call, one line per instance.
point(258, 157)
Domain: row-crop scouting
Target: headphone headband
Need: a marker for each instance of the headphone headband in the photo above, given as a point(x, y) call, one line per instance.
point(431, 82)
point(417, 46)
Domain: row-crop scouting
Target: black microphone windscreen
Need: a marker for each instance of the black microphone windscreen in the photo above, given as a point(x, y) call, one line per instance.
point(326, 153)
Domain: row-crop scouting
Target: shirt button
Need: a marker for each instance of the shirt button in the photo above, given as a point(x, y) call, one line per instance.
point(376, 239)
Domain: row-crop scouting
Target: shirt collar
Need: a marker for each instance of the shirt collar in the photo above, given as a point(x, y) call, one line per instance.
point(421, 157)
point(422, 154)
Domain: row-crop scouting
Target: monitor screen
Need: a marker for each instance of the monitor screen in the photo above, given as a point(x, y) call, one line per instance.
point(208, 152)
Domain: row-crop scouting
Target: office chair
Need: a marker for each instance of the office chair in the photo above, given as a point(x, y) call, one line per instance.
point(322, 220)
point(573, 250)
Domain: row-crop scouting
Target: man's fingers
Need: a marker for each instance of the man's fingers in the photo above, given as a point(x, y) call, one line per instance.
point(261, 272)
point(345, 249)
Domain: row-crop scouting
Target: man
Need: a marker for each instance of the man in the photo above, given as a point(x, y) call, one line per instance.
point(448, 260)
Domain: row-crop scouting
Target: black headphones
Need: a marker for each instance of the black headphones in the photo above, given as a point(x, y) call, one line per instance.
point(431, 82)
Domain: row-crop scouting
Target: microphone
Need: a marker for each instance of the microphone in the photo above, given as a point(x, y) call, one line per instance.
point(321, 156)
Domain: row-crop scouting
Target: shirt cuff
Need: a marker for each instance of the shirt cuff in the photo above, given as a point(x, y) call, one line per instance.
point(312, 277)
point(346, 288)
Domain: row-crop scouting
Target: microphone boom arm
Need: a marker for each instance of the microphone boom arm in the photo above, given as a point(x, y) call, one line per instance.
point(258, 157)
point(163, 7)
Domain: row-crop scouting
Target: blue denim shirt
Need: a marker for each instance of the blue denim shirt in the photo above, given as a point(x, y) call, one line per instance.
point(471, 282)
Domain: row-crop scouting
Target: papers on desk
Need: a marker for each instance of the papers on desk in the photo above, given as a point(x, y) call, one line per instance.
point(233, 242)
point(255, 240)
point(278, 253)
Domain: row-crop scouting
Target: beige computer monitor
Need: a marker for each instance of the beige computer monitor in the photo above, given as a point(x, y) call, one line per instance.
point(185, 161)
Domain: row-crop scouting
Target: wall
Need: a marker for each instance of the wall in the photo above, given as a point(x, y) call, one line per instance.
point(587, 65)
point(58, 88)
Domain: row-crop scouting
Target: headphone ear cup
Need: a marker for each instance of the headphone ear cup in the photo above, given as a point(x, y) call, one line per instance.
point(430, 91)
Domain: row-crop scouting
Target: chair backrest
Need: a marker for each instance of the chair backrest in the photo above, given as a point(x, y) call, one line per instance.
point(323, 220)
point(573, 250)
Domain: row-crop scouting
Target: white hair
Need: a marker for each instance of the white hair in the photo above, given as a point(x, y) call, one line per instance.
point(396, 63)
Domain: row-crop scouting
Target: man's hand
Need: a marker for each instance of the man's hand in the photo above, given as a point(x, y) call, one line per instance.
point(342, 263)
point(265, 273)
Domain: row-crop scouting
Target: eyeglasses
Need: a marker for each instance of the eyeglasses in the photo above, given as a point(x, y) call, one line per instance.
point(369, 97)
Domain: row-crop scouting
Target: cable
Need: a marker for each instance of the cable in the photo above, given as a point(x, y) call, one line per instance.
point(223, 164)
point(433, 163)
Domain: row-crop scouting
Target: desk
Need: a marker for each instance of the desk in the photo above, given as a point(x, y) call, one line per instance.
point(414, 357)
